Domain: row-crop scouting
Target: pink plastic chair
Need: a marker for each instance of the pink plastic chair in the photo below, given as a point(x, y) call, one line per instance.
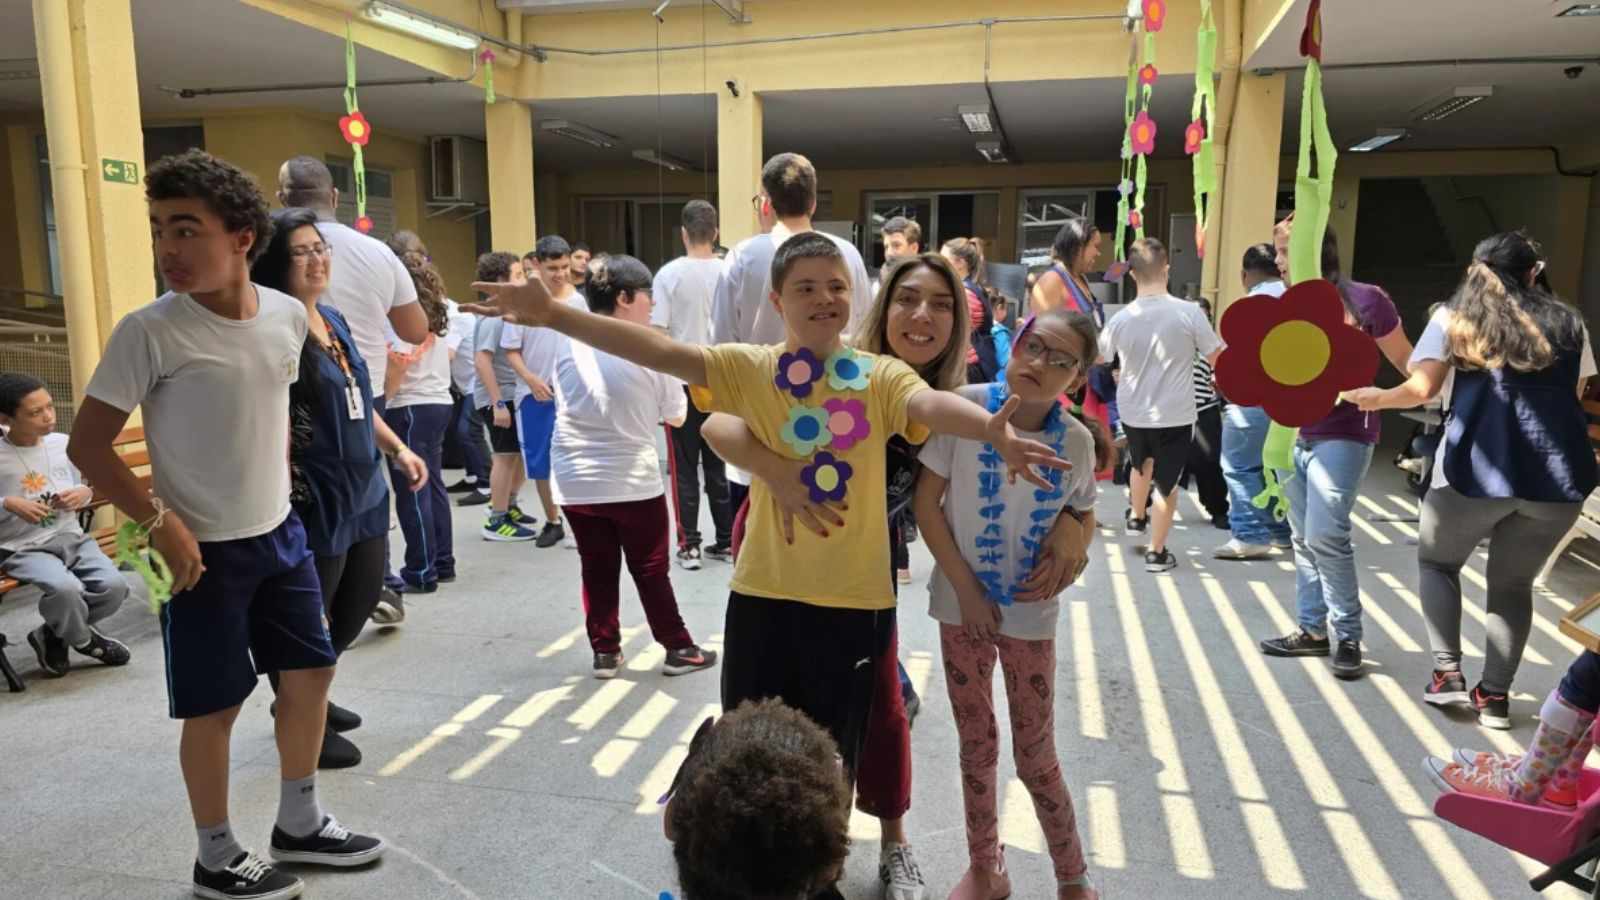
point(1563, 840)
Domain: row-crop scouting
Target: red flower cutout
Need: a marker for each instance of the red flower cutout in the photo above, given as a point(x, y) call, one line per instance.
point(1199, 239)
point(1148, 75)
point(364, 224)
point(356, 129)
point(1292, 356)
point(1155, 15)
point(1134, 218)
point(1142, 133)
point(1193, 136)
point(1311, 37)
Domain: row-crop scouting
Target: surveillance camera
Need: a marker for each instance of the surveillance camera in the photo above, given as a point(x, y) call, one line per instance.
point(1573, 72)
point(733, 87)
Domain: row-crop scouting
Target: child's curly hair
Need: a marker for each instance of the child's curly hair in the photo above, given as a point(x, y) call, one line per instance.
point(761, 808)
point(227, 190)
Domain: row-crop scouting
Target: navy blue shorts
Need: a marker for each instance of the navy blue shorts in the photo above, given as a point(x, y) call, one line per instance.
point(536, 424)
point(257, 609)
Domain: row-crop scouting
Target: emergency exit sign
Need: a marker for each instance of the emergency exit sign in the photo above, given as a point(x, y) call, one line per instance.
point(120, 171)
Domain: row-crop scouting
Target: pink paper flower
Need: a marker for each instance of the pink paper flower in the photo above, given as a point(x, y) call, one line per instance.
point(847, 422)
point(1142, 133)
point(1134, 218)
point(1155, 15)
point(1193, 136)
point(1148, 75)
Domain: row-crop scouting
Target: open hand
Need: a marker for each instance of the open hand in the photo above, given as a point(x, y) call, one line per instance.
point(1021, 455)
point(794, 502)
point(980, 616)
point(520, 303)
point(30, 511)
point(1061, 560)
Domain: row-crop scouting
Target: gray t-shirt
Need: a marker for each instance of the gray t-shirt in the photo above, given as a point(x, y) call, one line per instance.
point(215, 394)
point(956, 460)
point(487, 338)
point(1158, 338)
point(33, 473)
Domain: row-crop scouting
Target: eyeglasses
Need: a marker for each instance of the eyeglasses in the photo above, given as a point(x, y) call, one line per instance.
point(1034, 346)
point(302, 253)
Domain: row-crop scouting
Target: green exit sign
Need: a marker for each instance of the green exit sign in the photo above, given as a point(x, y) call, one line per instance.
point(120, 170)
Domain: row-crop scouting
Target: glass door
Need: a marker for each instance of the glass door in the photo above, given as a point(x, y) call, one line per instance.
point(1041, 214)
point(919, 208)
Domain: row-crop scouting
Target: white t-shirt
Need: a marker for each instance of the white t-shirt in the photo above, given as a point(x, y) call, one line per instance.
point(1158, 338)
point(539, 347)
point(608, 414)
point(365, 281)
point(682, 292)
point(1434, 344)
point(428, 379)
point(460, 341)
point(742, 310)
point(956, 459)
point(32, 473)
point(215, 394)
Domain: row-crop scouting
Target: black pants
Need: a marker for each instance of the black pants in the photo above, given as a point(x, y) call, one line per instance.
point(1205, 463)
point(351, 583)
point(816, 659)
point(464, 444)
point(689, 457)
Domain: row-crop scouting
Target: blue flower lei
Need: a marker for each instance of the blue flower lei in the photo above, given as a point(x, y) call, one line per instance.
point(991, 543)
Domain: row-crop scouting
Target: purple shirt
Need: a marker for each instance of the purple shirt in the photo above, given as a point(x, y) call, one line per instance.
point(1376, 315)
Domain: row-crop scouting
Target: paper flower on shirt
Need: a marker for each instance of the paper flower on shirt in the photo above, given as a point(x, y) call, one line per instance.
point(1155, 15)
point(355, 128)
point(1293, 355)
point(848, 370)
point(806, 430)
point(1142, 133)
point(826, 477)
point(34, 483)
point(1194, 136)
point(1148, 75)
point(847, 422)
point(1116, 271)
point(798, 372)
point(364, 224)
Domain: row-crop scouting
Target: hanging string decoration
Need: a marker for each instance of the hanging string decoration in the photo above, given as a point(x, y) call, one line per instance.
point(1139, 133)
point(487, 59)
point(1197, 141)
point(357, 132)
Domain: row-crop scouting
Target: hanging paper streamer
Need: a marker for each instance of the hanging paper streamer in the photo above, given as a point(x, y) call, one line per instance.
point(1202, 113)
point(1312, 192)
point(1138, 134)
point(1119, 268)
point(357, 132)
point(487, 58)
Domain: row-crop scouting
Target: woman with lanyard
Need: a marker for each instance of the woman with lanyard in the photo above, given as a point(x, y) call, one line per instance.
point(1515, 464)
point(336, 468)
point(1066, 284)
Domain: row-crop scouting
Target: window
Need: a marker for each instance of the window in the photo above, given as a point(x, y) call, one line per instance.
point(48, 201)
point(1041, 214)
point(380, 197)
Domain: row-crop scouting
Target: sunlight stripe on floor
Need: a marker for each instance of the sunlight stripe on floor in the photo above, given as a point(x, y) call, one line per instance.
point(649, 658)
point(503, 738)
point(660, 777)
point(1417, 717)
point(1468, 648)
point(1372, 532)
point(1404, 528)
point(649, 717)
point(1105, 828)
point(919, 668)
point(1019, 827)
point(600, 704)
point(1091, 714)
point(1393, 629)
point(536, 706)
point(465, 715)
point(1408, 505)
point(562, 644)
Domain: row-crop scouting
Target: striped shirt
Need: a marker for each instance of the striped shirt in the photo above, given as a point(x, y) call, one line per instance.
point(1205, 389)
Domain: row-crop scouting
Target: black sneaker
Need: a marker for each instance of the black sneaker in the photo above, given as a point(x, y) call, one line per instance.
point(409, 588)
point(1494, 710)
point(689, 558)
point(718, 552)
point(551, 535)
point(332, 845)
point(1132, 525)
point(476, 498)
point(1221, 523)
point(1160, 562)
point(1347, 660)
point(51, 650)
point(1446, 689)
point(607, 664)
point(338, 752)
point(341, 719)
point(688, 659)
point(1300, 643)
point(108, 650)
point(248, 877)
point(462, 487)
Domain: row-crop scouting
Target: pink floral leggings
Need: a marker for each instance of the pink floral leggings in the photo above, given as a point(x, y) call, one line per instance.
point(1029, 668)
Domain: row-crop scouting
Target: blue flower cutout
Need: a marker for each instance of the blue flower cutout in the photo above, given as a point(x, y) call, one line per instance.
point(848, 370)
point(806, 430)
point(798, 372)
point(826, 477)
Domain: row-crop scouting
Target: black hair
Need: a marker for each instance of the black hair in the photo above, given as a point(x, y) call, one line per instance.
point(614, 277)
point(1076, 233)
point(551, 246)
point(790, 182)
point(700, 221)
point(1261, 259)
point(907, 228)
point(805, 245)
point(228, 191)
point(14, 388)
point(307, 182)
point(496, 266)
point(1498, 320)
point(271, 270)
point(580, 246)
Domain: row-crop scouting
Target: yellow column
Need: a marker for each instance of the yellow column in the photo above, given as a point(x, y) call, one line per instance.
point(1249, 180)
point(739, 159)
point(509, 131)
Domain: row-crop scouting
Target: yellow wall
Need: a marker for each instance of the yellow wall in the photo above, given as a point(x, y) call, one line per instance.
point(23, 232)
point(10, 227)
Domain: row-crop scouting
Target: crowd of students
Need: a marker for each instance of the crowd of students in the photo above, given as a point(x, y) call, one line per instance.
point(824, 411)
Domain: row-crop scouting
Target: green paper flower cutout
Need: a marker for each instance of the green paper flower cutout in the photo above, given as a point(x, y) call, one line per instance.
point(848, 370)
point(806, 430)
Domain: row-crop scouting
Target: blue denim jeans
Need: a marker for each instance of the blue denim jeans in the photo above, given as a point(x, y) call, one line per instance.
point(1322, 491)
point(1244, 431)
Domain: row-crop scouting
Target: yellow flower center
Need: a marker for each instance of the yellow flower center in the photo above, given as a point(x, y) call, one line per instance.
point(1295, 352)
point(827, 478)
point(357, 129)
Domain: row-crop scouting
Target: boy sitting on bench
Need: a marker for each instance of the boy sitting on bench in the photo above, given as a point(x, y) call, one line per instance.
point(41, 542)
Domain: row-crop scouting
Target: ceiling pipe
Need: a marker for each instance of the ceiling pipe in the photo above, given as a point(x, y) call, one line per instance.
point(1439, 63)
point(192, 93)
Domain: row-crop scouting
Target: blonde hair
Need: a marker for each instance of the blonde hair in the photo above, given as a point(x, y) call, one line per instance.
point(946, 371)
point(1497, 320)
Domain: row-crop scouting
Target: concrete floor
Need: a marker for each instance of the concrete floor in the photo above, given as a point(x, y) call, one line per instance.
point(497, 768)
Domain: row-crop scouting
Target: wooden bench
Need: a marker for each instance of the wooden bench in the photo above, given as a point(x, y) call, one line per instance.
point(1588, 524)
point(130, 446)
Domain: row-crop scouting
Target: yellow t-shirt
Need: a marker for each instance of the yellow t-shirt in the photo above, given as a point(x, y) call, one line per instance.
point(850, 567)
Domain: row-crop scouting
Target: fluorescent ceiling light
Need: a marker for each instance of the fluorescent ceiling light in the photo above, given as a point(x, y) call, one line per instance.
point(670, 163)
point(977, 119)
point(594, 137)
point(1456, 101)
point(992, 151)
point(1383, 138)
point(1582, 9)
point(429, 29)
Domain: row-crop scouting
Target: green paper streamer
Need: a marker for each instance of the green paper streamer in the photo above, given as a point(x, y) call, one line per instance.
point(488, 76)
point(358, 168)
point(1312, 193)
point(134, 551)
point(1141, 172)
point(1205, 104)
point(1130, 103)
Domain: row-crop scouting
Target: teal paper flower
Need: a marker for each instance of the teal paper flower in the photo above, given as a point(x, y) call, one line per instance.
point(848, 370)
point(806, 430)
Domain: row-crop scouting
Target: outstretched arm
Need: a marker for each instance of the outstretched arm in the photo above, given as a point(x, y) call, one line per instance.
point(1427, 379)
point(948, 413)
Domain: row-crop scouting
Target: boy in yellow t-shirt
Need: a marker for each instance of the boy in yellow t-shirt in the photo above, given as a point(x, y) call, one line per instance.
point(805, 620)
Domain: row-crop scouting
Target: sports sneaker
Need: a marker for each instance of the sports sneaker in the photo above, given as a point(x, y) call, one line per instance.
point(1481, 781)
point(1221, 523)
point(551, 535)
point(51, 650)
point(332, 845)
point(898, 873)
point(1160, 562)
point(248, 877)
point(1446, 689)
point(501, 528)
point(1237, 549)
point(1300, 643)
point(1494, 710)
point(1134, 526)
point(461, 487)
point(689, 558)
point(688, 659)
point(1557, 794)
point(475, 498)
point(1347, 661)
point(109, 651)
point(718, 552)
point(516, 515)
point(391, 610)
point(607, 664)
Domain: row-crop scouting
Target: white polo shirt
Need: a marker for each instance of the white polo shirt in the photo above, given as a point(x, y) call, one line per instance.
point(365, 281)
